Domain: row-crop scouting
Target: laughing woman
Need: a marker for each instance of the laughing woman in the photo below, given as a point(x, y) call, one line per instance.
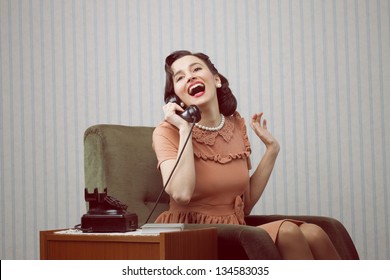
point(211, 183)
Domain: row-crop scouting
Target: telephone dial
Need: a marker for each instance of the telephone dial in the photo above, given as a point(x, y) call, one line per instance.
point(190, 113)
point(107, 214)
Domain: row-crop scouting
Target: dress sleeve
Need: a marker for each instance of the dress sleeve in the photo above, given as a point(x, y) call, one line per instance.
point(165, 142)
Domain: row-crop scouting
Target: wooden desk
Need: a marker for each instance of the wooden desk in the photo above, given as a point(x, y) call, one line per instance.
point(186, 245)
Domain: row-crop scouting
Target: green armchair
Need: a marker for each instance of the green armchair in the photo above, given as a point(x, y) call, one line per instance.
point(121, 159)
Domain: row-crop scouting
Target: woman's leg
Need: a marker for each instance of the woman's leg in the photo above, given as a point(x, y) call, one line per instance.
point(320, 244)
point(292, 244)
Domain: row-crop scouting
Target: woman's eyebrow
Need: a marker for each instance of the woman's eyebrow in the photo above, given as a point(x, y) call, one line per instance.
point(177, 73)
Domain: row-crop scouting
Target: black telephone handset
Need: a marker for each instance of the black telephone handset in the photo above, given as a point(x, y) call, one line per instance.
point(190, 114)
point(101, 203)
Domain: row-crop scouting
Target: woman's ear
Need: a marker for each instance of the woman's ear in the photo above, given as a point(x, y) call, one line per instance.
point(218, 82)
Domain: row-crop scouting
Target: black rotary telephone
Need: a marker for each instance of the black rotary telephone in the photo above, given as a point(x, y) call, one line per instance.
point(107, 214)
point(190, 114)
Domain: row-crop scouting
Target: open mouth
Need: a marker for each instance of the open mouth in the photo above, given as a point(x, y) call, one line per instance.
point(196, 88)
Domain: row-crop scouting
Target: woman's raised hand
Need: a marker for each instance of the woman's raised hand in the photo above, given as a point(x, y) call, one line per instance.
point(259, 126)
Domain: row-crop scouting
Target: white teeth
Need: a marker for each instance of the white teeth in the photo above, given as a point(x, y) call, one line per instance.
point(197, 85)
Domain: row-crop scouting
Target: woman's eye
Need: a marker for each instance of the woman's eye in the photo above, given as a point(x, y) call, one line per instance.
point(197, 69)
point(179, 78)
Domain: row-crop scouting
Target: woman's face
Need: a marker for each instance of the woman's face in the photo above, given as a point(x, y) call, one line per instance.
point(193, 81)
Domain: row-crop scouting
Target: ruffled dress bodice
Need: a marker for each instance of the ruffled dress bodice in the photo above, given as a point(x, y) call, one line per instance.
point(222, 166)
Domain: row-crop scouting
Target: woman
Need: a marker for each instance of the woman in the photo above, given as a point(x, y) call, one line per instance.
point(211, 183)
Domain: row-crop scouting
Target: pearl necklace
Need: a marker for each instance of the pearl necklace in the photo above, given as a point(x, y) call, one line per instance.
point(216, 128)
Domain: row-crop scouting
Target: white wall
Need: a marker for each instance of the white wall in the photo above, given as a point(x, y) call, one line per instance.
point(318, 69)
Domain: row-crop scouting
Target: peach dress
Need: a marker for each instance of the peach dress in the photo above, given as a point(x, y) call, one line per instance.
point(222, 166)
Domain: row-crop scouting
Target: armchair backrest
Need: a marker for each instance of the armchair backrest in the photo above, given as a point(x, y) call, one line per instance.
point(121, 159)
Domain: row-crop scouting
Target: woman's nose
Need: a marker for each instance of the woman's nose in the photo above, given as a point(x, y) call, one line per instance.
point(191, 78)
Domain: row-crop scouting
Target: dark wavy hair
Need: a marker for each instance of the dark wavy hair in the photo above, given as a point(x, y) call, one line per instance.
point(226, 100)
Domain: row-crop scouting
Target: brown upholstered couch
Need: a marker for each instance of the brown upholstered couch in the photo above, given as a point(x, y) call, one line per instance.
point(121, 159)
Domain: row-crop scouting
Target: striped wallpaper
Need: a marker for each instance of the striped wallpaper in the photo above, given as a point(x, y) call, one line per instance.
point(318, 69)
